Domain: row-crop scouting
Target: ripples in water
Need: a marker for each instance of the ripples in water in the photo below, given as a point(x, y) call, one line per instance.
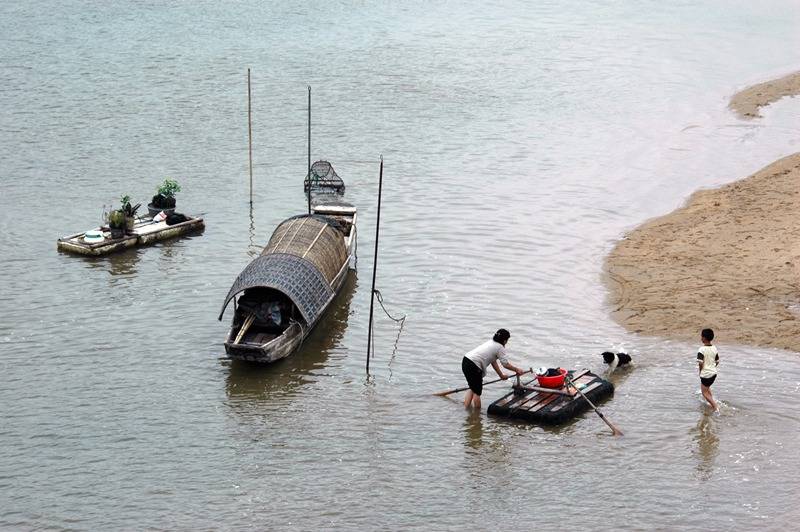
point(517, 150)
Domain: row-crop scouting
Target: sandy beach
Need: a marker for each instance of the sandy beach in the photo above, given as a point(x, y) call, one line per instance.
point(746, 103)
point(728, 259)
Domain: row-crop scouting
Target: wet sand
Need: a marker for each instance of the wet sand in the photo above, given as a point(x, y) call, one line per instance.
point(746, 103)
point(729, 259)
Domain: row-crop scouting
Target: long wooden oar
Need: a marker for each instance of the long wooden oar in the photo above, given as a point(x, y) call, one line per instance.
point(614, 430)
point(448, 392)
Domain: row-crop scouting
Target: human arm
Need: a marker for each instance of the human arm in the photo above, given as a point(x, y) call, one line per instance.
point(512, 367)
point(502, 357)
point(700, 360)
point(496, 367)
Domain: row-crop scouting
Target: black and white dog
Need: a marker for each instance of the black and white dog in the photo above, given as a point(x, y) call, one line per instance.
point(615, 360)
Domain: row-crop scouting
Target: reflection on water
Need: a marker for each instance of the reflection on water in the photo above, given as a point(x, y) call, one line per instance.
point(119, 264)
point(483, 434)
point(253, 249)
point(284, 377)
point(705, 437)
point(618, 376)
point(473, 428)
point(125, 263)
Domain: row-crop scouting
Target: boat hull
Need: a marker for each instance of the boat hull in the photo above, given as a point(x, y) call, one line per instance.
point(267, 353)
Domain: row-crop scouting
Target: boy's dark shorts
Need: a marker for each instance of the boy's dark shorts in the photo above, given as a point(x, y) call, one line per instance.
point(473, 374)
point(708, 381)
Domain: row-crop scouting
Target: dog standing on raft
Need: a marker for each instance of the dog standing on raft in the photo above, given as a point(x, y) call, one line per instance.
point(707, 362)
point(475, 362)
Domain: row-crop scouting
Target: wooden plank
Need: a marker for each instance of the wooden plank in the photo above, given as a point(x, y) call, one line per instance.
point(532, 401)
point(145, 229)
point(544, 403)
point(579, 374)
point(171, 231)
point(513, 398)
point(576, 397)
point(557, 391)
point(506, 399)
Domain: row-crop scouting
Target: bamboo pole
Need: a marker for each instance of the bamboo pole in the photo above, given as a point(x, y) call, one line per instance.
point(309, 150)
point(374, 265)
point(250, 135)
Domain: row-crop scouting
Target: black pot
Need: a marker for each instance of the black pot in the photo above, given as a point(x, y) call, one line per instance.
point(155, 210)
point(117, 232)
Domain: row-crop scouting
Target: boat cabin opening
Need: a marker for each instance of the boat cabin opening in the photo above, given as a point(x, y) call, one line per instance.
point(262, 314)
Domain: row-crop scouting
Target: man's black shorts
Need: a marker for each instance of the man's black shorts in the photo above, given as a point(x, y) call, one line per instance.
point(708, 381)
point(473, 374)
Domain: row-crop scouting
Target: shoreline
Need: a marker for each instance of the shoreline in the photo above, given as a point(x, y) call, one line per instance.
point(747, 102)
point(728, 259)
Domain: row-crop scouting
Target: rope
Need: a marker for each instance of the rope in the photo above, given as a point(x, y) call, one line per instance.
point(401, 321)
point(380, 300)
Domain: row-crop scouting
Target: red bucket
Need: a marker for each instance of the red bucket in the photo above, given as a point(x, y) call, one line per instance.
point(556, 381)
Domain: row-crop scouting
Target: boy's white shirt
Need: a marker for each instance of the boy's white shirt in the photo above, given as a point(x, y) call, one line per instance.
point(710, 354)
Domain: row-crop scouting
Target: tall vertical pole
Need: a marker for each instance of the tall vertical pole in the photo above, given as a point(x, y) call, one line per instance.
point(374, 265)
point(250, 135)
point(308, 175)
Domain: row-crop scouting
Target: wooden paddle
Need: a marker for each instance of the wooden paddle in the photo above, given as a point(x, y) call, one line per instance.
point(614, 430)
point(448, 392)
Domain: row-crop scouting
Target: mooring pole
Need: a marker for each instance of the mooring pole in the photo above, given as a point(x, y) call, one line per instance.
point(250, 135)
point(308, 175)
point(374, 265)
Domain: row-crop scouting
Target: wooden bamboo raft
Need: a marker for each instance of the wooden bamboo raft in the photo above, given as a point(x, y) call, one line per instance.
point(552, 407)
point(145, 232)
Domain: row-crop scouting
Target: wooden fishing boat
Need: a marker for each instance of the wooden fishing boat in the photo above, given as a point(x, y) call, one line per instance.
point(145, 232)
point(282, 294)
point(552, 406)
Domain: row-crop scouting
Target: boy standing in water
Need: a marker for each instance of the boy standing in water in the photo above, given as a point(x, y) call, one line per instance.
point(707, 362)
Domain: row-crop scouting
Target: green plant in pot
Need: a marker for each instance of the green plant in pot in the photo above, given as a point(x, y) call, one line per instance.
point(116, 222)
point(164, 200)
point(129, 211)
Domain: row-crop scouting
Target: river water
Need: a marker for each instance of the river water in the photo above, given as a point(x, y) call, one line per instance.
point(520, 140)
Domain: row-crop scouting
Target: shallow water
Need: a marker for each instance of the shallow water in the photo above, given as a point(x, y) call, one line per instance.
point(520, 142)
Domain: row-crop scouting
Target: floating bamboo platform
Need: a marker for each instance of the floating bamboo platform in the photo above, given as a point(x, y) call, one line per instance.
point(552, 406)
point(145, 232)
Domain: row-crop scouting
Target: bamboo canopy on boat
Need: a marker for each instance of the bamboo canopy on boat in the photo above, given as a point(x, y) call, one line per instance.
point(317, 239)
point(302, 259)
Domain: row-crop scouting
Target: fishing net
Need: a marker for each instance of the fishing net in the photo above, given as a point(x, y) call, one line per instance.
point(323, 179)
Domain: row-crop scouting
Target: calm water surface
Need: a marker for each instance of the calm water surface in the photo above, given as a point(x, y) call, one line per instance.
point(521, 141)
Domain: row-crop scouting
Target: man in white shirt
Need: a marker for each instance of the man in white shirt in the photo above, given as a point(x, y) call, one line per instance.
point(475, 362)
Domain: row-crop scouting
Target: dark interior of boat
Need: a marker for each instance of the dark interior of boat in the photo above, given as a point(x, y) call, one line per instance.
point(346, 222)
point(262, 314)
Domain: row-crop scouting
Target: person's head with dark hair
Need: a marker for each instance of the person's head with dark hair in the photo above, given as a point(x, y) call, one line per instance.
point(501, 336)
point(707, 335)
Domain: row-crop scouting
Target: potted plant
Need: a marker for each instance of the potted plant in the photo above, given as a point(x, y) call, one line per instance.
point(130, 212)
point(164, 200)
point(116, 222)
